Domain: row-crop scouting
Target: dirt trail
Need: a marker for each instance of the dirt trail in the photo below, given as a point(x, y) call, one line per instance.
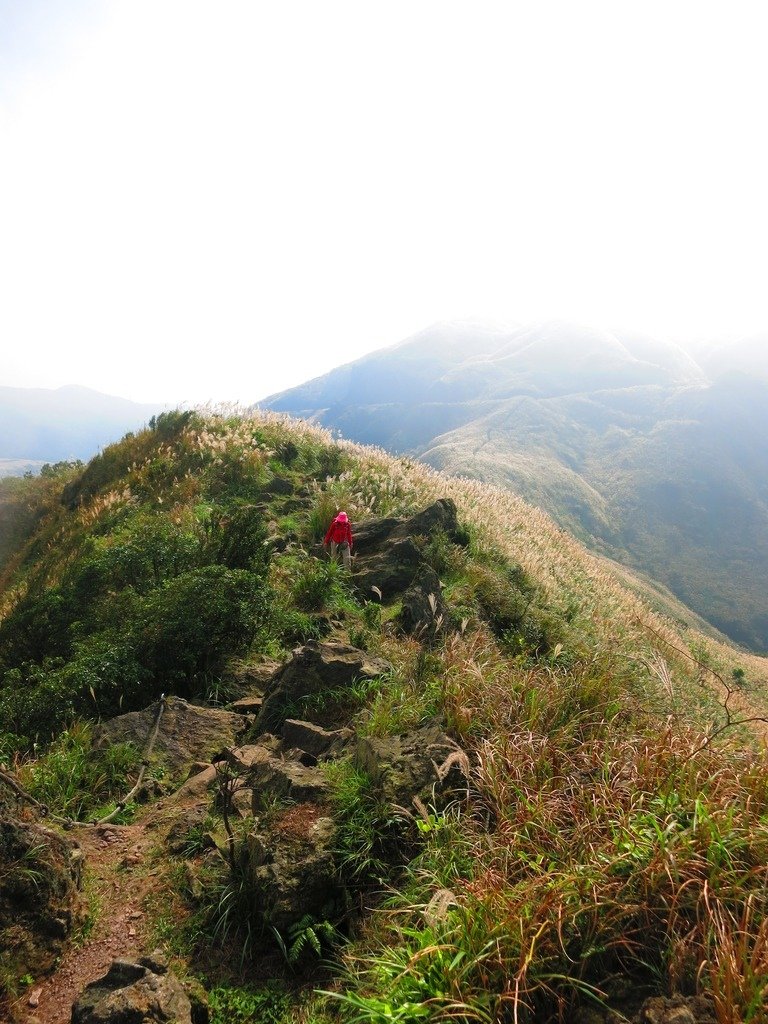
point(120, 875)
point(113, 853)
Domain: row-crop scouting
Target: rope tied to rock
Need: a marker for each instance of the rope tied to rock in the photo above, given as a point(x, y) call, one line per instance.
point(69, 823)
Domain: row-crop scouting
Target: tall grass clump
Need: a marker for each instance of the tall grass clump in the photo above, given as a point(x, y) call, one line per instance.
point(74, 779)
point(591, 859)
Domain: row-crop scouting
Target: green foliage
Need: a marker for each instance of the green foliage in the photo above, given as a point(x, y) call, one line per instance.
point(168, 425)
point(367, 828)
point(448, 559)
point(74, 779)
point(307, 938)
point(236, 537)
point(155, 601)
point(230, 1004)
point(225, 916)
point(321, 515)
point(291, 627)
point(319, 584)
point(57, 470)
point(187, 627)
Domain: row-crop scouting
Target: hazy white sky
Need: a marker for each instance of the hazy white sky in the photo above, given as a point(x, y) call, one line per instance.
point(220, 199)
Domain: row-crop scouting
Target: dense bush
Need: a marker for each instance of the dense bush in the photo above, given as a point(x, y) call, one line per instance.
point(186, 628)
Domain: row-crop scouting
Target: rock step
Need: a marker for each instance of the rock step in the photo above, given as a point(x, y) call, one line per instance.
point(246, 705)
point(313, 739)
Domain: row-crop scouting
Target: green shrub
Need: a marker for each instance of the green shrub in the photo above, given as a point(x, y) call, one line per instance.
point(319, 585)
point(320, 516)
point(367, 826)
point(235, 536)
point(189, 626)
point(448, 559)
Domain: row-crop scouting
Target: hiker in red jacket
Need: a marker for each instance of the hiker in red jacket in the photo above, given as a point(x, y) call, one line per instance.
point(340, 536)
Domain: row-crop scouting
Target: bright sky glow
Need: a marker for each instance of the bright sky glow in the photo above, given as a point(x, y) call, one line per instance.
point(221, 199)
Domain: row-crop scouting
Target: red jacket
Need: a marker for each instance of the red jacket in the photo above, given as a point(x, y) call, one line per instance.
point(339, 533)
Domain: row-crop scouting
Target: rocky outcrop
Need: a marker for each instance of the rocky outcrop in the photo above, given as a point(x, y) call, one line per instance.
point(423, 763)
point(279, 779)
point(187, 733)
point(40, 902)
point(314, 669)
point(145, 992)
point(386, 556)
point(293, 866)
point(313, 739)
point(388, 571)
point(675, 1009)
point(424, 612)
point(252, 679)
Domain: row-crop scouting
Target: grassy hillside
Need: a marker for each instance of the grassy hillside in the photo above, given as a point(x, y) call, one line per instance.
point(611, 832)
point(624, 441)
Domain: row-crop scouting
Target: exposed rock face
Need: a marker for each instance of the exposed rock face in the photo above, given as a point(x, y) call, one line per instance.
point(287, 780)
point(386, 556)
point(39, 897)
point(313, 669)
point(424, 612)
point(138, 993)
point(677, 1010)
point(293, 866)
point(187, 733)
point(313, 739)
point(656, 1010)
point(390, 570)
point(252, 679)
point(424, 763)
point(184, 828)
point(440, 515)
point(246, 705)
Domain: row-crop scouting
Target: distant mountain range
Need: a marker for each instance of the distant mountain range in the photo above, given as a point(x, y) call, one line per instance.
point(654, 458)
point(40, 425)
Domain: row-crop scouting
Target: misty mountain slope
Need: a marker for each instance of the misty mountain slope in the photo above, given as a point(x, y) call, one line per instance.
point(622, 438)
point(66, 423)
point(748, 355)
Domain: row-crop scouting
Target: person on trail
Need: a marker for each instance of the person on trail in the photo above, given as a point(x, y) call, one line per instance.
point(339, 535)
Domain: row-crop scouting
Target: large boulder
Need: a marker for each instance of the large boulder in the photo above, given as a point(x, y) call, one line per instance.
point(187, 733)
point(440, 515)
point(389, 571)
point(424, 612)
point(252, 679)
point(678, 1010)
point(314, 669)
point(40, 902)
point(375, 534)
point(293, 867)
point(313, 739)
point(423, 763)
point(279, 779)
point(386, 556)
point(145, 992)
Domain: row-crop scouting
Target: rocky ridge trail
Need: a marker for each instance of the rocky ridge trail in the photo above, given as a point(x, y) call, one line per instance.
point(292, 858)
point(262, 763)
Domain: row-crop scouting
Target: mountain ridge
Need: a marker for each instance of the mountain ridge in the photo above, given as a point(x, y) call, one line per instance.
point(626, 440)
point(70, 422)
point(480, 722)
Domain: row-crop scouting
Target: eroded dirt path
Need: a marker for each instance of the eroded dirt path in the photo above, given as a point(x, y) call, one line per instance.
point(124, 865)
point(119, 878)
